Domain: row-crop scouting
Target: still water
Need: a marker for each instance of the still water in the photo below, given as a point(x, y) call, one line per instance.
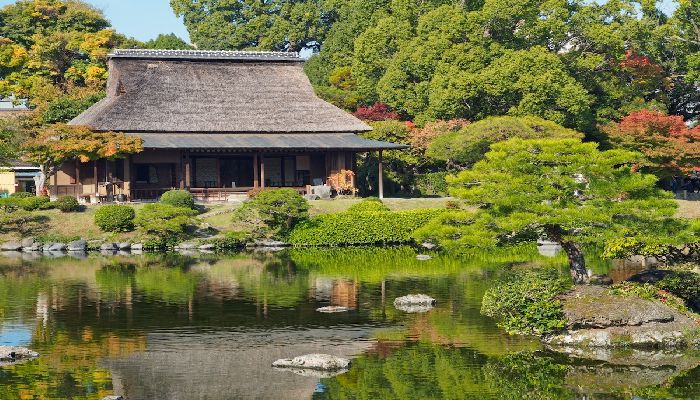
point(209, 326)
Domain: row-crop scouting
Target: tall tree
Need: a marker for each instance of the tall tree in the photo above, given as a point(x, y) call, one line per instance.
point(167, 42)
point(55, 144)
point(282, 25)
point(565, 191)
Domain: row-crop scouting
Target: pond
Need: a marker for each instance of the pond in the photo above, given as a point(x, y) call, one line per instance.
point(209, 326)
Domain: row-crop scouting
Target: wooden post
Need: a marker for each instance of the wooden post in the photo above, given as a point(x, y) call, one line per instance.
point(262, 171)
point(96, 178)
point(256, 172)
point(381, 176)
point(181, 170)
point(188, 168)
point(55, 184)
point(218, 172)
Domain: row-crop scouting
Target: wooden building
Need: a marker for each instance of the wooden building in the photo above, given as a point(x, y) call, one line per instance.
point(215, 123)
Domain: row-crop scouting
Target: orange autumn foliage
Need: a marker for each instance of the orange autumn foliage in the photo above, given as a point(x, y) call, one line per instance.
point(669, 146)
point(342, 182)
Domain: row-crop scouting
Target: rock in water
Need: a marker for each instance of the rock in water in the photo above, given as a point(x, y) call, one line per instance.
point(11, 246)
point(414, 303)
point(333, 309)
point(78, 245)
point(109, 247)
point(318, 362)
point(11, 354)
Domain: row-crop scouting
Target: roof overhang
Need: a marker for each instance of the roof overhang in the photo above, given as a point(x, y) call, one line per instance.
point(266, 141)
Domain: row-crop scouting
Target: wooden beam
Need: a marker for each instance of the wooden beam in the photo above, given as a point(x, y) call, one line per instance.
point(381, 176)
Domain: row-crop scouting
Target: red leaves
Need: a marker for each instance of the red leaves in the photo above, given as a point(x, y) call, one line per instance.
point(641, 67)
point(665, 140)
point(376, 112)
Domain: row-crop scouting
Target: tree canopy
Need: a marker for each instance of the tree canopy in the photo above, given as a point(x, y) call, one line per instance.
point(562, 190)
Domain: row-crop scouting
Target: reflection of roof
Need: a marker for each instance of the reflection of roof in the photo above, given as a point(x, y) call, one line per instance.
point(250, 141)
point(12, 104)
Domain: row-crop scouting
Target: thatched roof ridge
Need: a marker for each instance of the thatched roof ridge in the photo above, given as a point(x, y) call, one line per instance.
point(207, 55)
point(216, 93)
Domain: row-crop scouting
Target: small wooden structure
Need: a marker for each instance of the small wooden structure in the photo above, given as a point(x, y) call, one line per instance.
point(215, 123)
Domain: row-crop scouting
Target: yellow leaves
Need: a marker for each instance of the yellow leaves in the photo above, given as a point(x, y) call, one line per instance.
point(95, 75)
point(98, 44)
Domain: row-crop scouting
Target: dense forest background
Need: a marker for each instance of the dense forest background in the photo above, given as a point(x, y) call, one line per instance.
point(423, 71)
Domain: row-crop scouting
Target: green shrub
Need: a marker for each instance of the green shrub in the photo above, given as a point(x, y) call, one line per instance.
point(361, 228)
point(368, 204)
point(163, 224)
point(21, 222)
point(278, 209)
point(178, 198)
point(432, 183)
point(67, 204)
point(525, 302)
point(649, 291)
point(33, 203)
point(9, 204)
point(22, 195)
point(683, 284)
point(231, 240)
point(115, 218)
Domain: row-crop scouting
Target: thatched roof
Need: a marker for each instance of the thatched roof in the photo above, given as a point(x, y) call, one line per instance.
point(256, 141)
point(163, 91)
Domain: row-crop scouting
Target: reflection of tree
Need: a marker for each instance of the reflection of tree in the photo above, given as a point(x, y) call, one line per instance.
point(171, 285)
point(417, 371)
point(277, 283)
point(527, 376)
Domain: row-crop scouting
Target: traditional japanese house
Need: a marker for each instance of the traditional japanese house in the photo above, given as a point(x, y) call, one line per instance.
point(215, 123)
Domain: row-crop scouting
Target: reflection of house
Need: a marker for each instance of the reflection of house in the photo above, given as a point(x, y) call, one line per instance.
point(19, 177)
point(216, 122)
point(344, 293)
point(10, 105)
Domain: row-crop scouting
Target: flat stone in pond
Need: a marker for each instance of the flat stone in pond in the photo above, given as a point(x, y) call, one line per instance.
point(333, 309)
point(415, 300)
point(318, 362)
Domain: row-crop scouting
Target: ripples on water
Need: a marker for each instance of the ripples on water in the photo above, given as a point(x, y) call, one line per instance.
point(176, 327)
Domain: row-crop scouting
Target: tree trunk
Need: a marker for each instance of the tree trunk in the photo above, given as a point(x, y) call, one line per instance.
point(40, 182)
point(577, 264)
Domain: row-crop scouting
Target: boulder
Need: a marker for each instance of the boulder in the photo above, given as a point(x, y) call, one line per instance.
point(598, 319)
point(12, 354)
point(113, 398)
point(109, 247)
point(11, 246)
point(319, 362)
point(601, 280)
point(36, 246)
point(77, 245)
point(137, 247)
point(28, 242)
point(333, 309)
point(423, 257)
point(207, 247)
point(414, 303)
point(58, 247)
point(186, 246)
point(124, 246)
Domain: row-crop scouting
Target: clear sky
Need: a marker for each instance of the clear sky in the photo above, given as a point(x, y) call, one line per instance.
point(145, 19)
point(141, 19)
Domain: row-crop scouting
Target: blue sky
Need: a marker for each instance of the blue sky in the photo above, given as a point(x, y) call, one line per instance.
point(145, 19)
point(142, 19)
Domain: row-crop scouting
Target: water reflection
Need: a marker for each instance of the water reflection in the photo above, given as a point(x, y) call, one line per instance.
point(186, 327)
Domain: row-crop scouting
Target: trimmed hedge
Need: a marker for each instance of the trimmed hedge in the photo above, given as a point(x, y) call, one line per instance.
point(115, 218)
point(178, 198)
point(361, 228)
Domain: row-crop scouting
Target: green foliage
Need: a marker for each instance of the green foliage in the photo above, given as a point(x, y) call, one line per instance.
point(468, 145)
point(163, 224)
point(369, 204)
point(649, 291)
point(33, 203)
point(21, 222)
point(683, 284)
point(167, 42)
point(278, 209)
point(566, 191)
point(361, 228)
point(67, 204)
point(115, 218)
point(432, 183)
point(67, 107)
point(525, 302)
point(22, 195)
point(345, 99)
point(178, 198)
point(231, 240)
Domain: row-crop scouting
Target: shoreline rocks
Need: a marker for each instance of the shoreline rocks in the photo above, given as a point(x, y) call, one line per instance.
point(597, 319)
point(414, 303)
